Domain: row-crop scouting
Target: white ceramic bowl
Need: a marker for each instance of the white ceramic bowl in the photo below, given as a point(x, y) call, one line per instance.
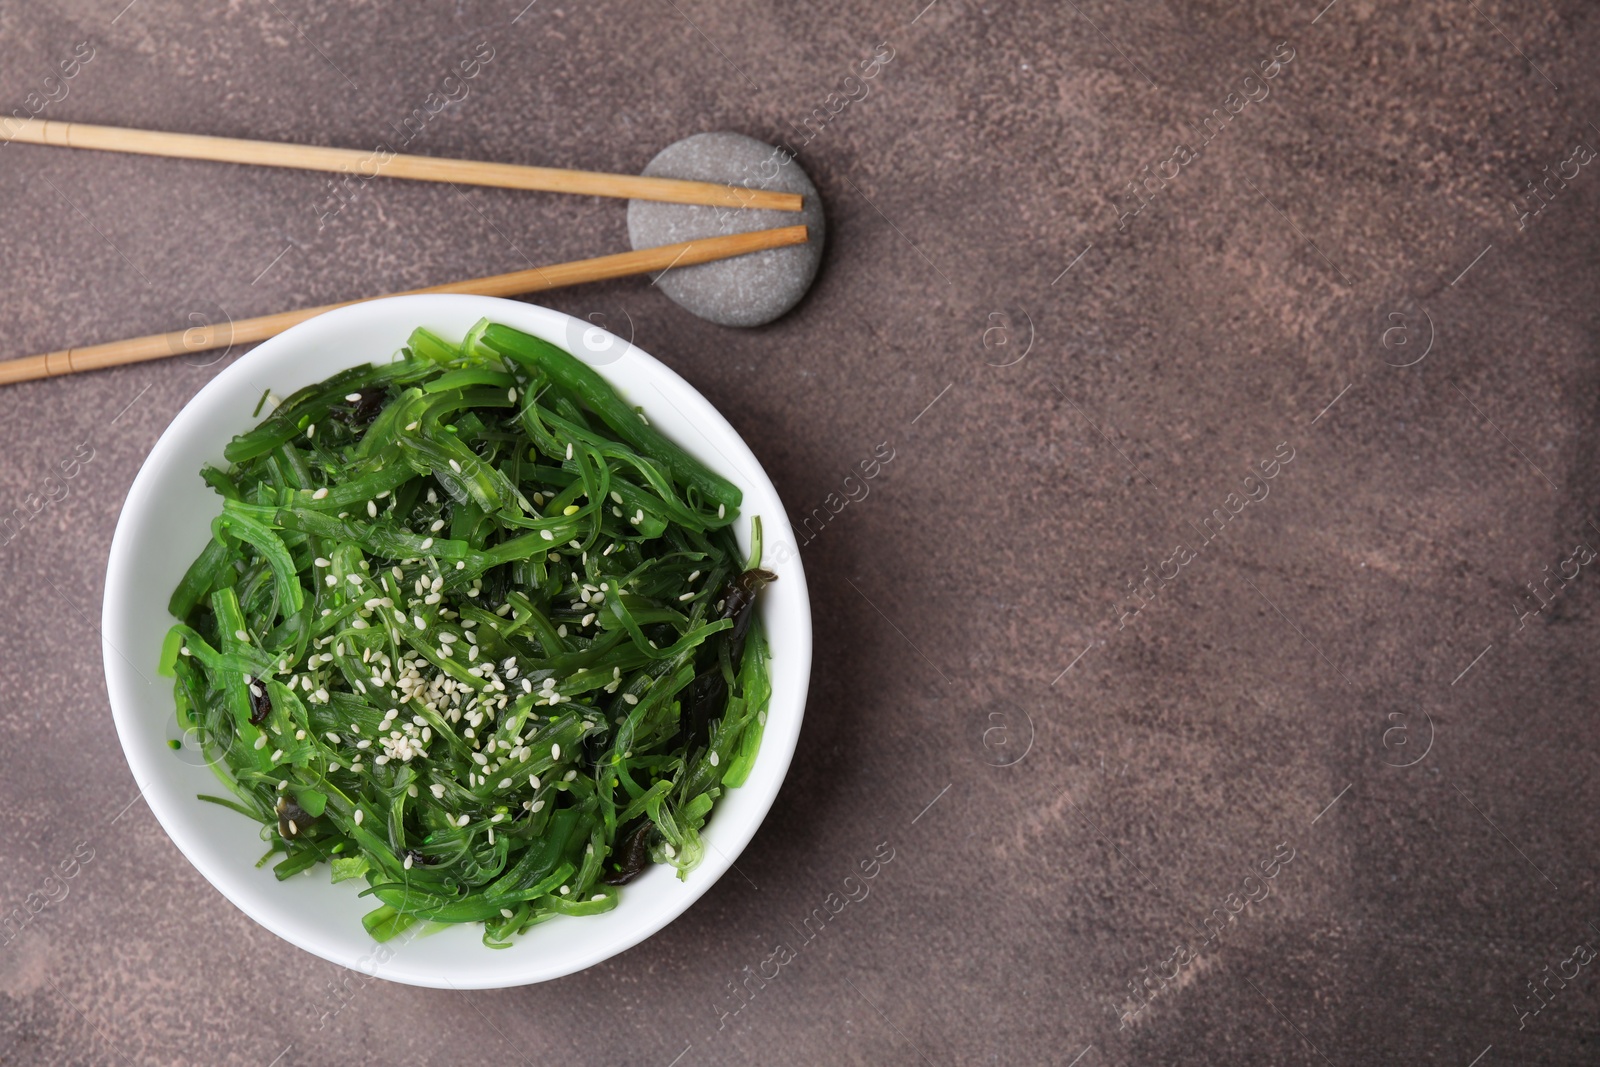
point(165, 522)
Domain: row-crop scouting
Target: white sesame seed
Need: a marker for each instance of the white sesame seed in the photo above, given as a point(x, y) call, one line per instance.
point(311, 431)
point(566, 890)
point(372, 509)
point(569, 449)
point(277, 754)
point(555, 751)
point(722, 511)
point(463, 820)
point(629, 698)
point(427, 543)
point(293, 829)
point(438, 524)
point(507, 912)
point(438, 791)
point(537, 804)
point(587, 619)
point(352, 397)
point(616, 497)
point(409, 427)
point(455, 466)
point(547, 535)
point(461, 565)
point(686, 596)
point(408, 863)
point(353, 579)
point(533, 781)
point(359, 816)
point(715, 759)
point(319, 495)
point(241, 635)
point(261, 742)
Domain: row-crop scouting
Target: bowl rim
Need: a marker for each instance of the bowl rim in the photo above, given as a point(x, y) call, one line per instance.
point(128, 689)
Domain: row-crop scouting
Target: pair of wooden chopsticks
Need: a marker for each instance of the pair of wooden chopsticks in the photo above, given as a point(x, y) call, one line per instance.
point(420, 168)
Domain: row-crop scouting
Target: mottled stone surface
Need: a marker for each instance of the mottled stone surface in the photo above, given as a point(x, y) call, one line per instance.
point(976, 593)
point(749, 290)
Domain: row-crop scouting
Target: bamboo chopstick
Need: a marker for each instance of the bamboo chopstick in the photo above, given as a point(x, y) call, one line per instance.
point(538, 279)
point(392, 165)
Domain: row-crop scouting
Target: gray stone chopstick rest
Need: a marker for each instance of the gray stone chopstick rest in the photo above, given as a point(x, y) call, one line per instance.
point(748, 290)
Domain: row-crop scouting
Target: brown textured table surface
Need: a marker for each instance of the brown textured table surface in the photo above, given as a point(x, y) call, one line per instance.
point(1179, 763)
